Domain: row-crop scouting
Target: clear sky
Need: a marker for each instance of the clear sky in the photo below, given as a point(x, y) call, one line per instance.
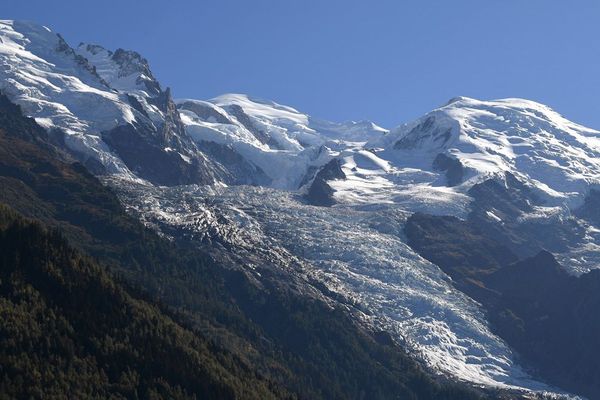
point(387, 61)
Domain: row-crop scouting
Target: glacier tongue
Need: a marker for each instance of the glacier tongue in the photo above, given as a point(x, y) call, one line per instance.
point(360, 257)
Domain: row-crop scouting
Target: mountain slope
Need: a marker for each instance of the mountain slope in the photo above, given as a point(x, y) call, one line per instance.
point(543, 312)
point(294, 342)
point(527, 139)
point(70, 330)
point(109, 130)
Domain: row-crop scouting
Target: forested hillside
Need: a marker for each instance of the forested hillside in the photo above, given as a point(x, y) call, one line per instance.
point(70, 330)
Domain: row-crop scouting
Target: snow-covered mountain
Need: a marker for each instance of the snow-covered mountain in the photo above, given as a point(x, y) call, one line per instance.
point(251, 174)
point(283, 143)
point(50, 81)
point(468, 141)
point(88, 92)
point(108, 110)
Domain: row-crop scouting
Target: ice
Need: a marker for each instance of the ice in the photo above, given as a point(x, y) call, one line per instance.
point(362, 259)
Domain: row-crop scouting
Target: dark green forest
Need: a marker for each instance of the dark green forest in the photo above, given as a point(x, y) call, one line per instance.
point(69, 329)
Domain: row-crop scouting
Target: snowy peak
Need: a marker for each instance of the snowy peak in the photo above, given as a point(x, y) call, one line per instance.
point(131, 129)
point(465, 119)
point(522, 137)
point(287, 145)
point(294, 125)
point(129, 73)
point(58, 87)
point(124, 70)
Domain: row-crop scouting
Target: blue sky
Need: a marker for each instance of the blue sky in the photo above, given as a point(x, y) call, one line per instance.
point(387, 61)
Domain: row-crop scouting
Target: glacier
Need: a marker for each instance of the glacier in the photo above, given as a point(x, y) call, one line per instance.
point(358, 255)
point(353, 253)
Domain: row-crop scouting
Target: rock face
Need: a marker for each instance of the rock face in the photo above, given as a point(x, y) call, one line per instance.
point(539, 309)
point(239, 171)
point(451, 166)
point(590, 210)
point(423, 134)
point(150, 161)
point(319, 192)
point(514, 214)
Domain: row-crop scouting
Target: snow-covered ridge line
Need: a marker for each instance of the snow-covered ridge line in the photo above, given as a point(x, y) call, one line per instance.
point(122, 69)
point(61, 90)
point(485, 138)
point(90, 90)
point(106, 106)
point(278, 139)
